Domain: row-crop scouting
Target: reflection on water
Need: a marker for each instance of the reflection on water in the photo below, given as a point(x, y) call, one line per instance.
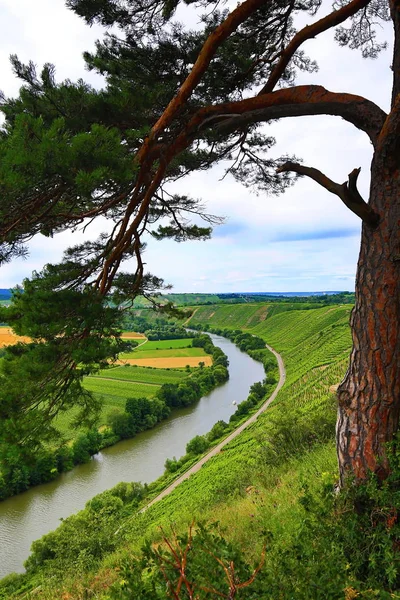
point(30, 515)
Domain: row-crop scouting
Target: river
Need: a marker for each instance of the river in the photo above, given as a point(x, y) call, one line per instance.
point(30, 515)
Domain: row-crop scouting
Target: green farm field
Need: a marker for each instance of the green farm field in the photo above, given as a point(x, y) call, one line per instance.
point(142, 374)
point(113, 394)
point(167, 344)
point(114, 385)
point(162, 353)
point(116, 392)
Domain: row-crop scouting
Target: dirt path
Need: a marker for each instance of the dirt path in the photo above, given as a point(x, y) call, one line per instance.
point(231, 436)
point(138, 346)
point(185, 324)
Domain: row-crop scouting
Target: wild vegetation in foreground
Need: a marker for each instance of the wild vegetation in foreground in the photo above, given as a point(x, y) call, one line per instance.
point(261, 517)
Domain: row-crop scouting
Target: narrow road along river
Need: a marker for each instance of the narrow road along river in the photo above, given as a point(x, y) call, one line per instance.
point(30, 515)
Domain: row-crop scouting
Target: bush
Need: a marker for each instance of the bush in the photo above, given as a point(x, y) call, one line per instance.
point(122, 424)
point(85, 446)
point(217, 431)
point(171, 465)
point(197, 445)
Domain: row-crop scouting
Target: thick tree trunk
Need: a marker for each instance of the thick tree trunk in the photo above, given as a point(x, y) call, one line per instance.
point(369, 396)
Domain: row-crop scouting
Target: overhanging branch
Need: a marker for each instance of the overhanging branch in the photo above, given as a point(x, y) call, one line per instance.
point(346, 191)
point(302, 100)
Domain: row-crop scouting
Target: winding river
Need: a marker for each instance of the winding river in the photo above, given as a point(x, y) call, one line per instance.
point(30, 515)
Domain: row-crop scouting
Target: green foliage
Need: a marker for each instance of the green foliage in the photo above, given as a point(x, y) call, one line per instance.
point(85, 446)
point(288, 434)
point(366, 519)
point(217, 430)
point(122, 425)
point(197, 445)
point(43, 378)
point(83, 539)
point(21, 469)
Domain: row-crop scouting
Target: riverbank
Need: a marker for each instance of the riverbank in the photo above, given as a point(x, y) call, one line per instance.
point(229, 438)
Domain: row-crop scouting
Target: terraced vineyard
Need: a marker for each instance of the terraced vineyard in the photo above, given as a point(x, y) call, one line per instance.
point(292, 442)
point(243, 316)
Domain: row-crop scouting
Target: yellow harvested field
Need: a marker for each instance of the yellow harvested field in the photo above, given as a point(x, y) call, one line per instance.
point(168, 363)
point(7, 337)
point(132, 335)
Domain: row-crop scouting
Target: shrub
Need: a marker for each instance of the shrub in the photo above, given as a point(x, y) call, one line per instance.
point(197, 445)
point(217, 431)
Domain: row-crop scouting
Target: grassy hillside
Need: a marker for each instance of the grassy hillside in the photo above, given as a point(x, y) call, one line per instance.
point(259, 488)
point(245, 316)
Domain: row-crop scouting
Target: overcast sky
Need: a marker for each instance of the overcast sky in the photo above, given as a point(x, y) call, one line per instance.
point(304, 240)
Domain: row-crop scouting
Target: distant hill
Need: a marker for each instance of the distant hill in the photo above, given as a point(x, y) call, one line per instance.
point(325, 297)
point(233, 297)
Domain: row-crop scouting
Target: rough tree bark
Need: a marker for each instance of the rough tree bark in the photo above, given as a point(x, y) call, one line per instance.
point(369, 396)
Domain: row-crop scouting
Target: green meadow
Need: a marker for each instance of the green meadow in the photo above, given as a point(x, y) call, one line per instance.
point(137, 374)
point(165, 352)
point(167, 344)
